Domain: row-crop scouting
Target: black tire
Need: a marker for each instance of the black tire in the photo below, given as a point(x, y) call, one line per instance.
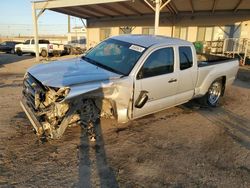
point(69, 51)
point(19, 52)
point(56, 54)
point(44, 53)
point(212, 97)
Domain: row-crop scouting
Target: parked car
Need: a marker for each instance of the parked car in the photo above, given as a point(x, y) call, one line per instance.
point(45, 48)
point(124, 77)
point(71, 50)
point(8, 46)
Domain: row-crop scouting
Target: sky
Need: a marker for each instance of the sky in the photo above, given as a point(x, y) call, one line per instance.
point(16, 19)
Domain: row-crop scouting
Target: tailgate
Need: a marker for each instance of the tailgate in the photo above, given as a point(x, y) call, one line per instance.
point(59, 47)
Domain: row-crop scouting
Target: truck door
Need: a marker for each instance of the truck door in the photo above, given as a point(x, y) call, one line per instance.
point(32, 46)
point(26, 46)
point(187, 74)
point(155, 83)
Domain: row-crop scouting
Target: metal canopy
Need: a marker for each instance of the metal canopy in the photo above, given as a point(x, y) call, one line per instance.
point(113, 9)
point(108, 13)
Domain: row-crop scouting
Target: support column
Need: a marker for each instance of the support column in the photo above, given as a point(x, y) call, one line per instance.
point(69, 27)
point(35, 30)
point(157, 15)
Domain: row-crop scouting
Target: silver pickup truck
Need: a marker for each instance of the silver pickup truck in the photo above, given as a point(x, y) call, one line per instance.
point(124, 77)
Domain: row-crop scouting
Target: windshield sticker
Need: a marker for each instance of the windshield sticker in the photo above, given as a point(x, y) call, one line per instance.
point(136, 48)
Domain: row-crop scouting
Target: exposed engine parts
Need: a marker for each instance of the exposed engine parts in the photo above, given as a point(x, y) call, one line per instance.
point(55, 114)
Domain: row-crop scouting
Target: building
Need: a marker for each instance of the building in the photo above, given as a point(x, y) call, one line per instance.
point(193, 20)
point(212, 38)
point(191, 33)
point(77, 37)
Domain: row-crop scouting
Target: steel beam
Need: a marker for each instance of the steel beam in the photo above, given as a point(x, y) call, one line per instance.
point(112, 9)
point(71, 3)
point(214, 5)
point(157, 9)
point(172, 5)
point(35, 30)
point(151, 6)
point(84, 10)
point(98, 11)
point(146, 6)
point(192, 5)
point(131, 8)
point(75, 13)
point(171, 11)
point(157, 15)
point(237, 6)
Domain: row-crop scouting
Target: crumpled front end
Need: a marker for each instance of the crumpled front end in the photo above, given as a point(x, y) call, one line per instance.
point(43, 106)
point(51, 110)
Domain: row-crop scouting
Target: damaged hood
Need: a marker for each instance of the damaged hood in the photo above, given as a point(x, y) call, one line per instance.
point(70, 72)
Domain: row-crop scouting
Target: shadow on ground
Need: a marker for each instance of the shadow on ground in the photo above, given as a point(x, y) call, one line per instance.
point(12, 58)
point(94, 170)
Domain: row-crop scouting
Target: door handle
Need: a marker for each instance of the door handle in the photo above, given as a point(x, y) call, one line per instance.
point(172, 80)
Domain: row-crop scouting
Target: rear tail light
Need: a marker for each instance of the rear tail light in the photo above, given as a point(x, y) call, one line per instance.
point(50, 46)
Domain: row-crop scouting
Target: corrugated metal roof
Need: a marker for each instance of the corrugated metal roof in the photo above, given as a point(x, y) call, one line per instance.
point(129, 9)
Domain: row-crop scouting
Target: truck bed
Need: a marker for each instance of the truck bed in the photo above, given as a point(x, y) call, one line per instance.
point(214, 67)
point(208, 59)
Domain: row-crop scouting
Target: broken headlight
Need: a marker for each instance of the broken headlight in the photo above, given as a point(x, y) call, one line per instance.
point(61, 93)
point(55, 95)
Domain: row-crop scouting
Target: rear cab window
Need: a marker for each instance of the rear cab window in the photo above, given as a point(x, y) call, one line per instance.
point(43, 42)
point(185, 57)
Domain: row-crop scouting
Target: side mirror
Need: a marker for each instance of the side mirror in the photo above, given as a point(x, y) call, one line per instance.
point(141, 100)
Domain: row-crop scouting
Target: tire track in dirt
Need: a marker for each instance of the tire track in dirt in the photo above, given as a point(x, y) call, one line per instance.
point(236, 126)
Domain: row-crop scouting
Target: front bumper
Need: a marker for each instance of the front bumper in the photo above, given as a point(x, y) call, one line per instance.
point(31, 115)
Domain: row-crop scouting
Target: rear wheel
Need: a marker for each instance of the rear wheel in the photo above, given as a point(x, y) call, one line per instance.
point(213, 95)
point(44, 53)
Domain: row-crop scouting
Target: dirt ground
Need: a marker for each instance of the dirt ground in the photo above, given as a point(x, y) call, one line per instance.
point(184, 146)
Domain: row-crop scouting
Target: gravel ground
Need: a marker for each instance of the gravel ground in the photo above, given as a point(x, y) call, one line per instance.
point(184, 146)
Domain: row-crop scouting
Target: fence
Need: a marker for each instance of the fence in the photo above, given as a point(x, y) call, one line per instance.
point(237, 46)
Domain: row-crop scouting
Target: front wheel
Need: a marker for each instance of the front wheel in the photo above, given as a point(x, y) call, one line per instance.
point(19, 52)
point(213, 95)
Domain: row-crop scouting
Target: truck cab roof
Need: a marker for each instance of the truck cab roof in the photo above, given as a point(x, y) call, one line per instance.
point(150, 40)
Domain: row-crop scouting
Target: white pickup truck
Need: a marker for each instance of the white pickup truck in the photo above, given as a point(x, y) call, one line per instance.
point(44, 46)
point(124, 77)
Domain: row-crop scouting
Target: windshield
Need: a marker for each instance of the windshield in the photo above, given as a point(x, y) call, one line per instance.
point(114, 55)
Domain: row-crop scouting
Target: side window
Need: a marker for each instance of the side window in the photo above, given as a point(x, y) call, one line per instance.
point(27, 42)
point(159, 62)
point(32, 41)
point(186, 57)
